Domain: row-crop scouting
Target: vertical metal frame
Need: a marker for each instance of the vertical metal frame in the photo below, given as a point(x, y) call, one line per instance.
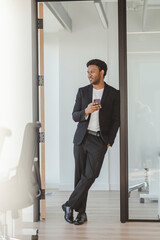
point(35, 93)
point(122, 35)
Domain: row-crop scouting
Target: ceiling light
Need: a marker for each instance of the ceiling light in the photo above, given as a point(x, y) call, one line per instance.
point(101, 12)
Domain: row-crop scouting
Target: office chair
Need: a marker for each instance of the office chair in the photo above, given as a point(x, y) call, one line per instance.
point(141, 186)
point(22, 189)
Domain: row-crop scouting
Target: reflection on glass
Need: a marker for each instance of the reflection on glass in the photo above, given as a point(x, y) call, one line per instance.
point(143, 37)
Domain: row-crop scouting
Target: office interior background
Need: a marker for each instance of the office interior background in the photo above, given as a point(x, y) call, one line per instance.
point(65, 56)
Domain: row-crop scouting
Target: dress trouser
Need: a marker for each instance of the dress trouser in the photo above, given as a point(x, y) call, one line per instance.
point(89, 156)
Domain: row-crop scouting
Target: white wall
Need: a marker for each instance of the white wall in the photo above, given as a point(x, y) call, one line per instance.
point(51, 73)
point(15, 87)
point(113, 80)
point(16, 76)
point(87, 40)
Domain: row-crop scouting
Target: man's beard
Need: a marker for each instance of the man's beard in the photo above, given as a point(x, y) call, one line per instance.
point(96, 82)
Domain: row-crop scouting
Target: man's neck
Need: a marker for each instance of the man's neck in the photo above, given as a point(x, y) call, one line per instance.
point(99, 86)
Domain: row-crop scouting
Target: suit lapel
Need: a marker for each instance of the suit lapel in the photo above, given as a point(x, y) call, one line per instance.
point(105, 93)
point(90, 90)
point(89, 97)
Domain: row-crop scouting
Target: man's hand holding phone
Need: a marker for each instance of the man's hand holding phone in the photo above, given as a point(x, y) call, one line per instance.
point(92, 107)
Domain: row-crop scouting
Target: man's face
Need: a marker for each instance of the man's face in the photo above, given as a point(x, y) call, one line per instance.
point(94, 74)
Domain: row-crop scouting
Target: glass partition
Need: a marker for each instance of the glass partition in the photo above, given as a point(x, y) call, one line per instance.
point(143, 54)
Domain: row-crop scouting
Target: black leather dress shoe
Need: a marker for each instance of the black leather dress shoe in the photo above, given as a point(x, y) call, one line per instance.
point(80, 219)
point(68, 216)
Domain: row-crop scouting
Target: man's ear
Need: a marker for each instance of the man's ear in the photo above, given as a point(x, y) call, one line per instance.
point(102, 72)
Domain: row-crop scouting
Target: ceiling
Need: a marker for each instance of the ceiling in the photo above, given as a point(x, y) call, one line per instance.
point(51, 24)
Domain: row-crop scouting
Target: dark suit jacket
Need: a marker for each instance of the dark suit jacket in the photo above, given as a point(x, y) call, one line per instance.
point(109, 114)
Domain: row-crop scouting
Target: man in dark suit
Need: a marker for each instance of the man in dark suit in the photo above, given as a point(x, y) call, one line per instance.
point(97, 111)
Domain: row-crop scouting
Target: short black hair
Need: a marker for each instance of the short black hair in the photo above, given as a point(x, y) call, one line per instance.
point(99, 63)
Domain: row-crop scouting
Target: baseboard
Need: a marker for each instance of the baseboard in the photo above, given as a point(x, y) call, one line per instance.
point(100, 187)
point(114, 187)
point(95, 187)
point(66, 187)
point(52, 185)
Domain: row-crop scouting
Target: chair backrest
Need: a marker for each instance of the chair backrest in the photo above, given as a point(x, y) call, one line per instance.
point(29, 147)
point(25, 175)
point(21, 189)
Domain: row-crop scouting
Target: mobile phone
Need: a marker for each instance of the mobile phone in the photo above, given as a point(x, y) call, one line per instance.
point(97, 100)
